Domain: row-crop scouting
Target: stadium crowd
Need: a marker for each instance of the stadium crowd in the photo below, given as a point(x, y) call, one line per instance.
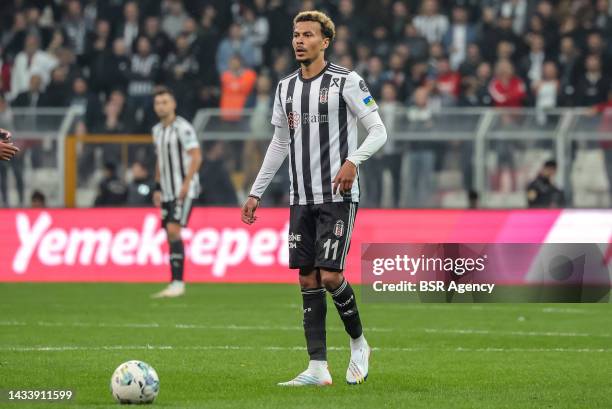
point(108, 56)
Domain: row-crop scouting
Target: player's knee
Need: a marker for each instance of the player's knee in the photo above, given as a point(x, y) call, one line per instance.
point(308, 278)
point(331, 279)
point(174, 232)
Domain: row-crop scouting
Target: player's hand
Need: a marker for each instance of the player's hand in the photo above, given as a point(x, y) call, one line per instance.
point(343, 182)
point(157, 198)
point(248, 210)
point(184, 190)
point(7, 150)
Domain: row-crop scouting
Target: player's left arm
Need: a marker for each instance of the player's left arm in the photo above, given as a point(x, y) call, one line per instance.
point(362, 104)
point(190, 143)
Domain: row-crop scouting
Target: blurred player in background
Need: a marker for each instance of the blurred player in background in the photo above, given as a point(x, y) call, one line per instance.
point(177, 181)
point(315, 115)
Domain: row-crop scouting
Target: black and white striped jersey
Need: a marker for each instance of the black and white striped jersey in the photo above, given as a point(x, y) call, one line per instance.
point(321, 114)
point(172, 143)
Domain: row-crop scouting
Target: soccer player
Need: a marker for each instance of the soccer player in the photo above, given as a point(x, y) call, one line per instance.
point(177, 181)
point(315, 115)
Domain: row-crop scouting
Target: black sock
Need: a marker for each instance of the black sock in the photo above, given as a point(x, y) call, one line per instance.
point(314, 303)
point(177, 259)
point(346, 304)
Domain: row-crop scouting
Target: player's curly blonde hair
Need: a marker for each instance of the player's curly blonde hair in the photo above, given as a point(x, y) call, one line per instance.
point(328, 27)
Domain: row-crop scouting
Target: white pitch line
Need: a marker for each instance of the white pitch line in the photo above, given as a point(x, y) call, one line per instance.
point(178, 326)
point(461, 331)
point(69, 348)
point(468, 331)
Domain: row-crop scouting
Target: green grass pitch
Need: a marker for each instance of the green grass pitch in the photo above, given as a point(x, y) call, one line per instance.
point(227, 345)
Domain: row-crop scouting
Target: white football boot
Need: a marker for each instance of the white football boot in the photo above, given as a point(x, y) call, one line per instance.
point(174, 289)
point(357, 371)
point(317, 374)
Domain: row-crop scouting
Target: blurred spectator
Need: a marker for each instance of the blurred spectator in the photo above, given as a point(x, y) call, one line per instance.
point(98, 42)
point(174, 17)
point(446, 83)
point(348, 17)
point(74, 26)
point(144, 72)
point(32, 26)
point(597, 46)
point(128, 30)
point(140, 189)
point(32, 97)
point(390, 157)
point(15, 164)
point(208, 38)
point(190, 32)
point(417, 44)
point(111, 70)
point(114, 115)
point(472, 60)
point(234, 44)
point(159, 40)
point(397, 76)
point(546, 90)
point(430, 23)
point(532, 64)
point(542, 192)
point(14, 38)
point(593, 86)
point(603, 17)
point(475, 88)
point(516, 12)
point(459, 35)
point(111, 190)
point(421, 154)
point(181, 73)
point(257, 29)
point(253, 150)
point(38, 200)
point(87, 101)
point(57, 93)
point(236, 86)
point(28, 62)
point(568, 61)
point(217, 187)
point(506, 89)
point(400, 16)
point(380, 44)
point(374, 76)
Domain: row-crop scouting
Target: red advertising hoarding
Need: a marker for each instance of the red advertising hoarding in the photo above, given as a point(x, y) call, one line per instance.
point(129, 245)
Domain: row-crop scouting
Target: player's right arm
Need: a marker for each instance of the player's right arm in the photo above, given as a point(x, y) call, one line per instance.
point(275, 156)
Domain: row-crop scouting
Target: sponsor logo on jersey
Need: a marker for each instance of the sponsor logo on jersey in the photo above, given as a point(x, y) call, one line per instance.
point(289, 100)
point(293, 119)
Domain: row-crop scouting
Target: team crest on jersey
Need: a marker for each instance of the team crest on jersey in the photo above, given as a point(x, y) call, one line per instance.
point(363, 86)
point(293, 119)
point(323, 94)
point(339, 228)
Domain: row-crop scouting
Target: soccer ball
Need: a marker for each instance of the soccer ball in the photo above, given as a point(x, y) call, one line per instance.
point(134, 382)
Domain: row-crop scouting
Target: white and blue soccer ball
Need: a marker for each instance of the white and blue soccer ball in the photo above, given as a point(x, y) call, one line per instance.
point(135, 382)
